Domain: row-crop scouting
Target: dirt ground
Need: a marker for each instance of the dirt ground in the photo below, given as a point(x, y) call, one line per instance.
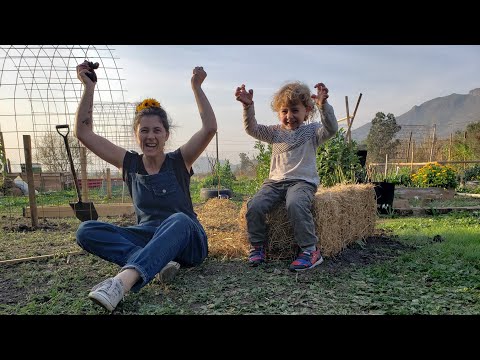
point(371, 250)
point(57, 236)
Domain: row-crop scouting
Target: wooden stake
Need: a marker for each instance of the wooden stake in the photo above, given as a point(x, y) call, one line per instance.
point(41, 257)
point(83, 167)
point(433, 142)
point(348, 120)
point(450, 147)
point(409, 144)
point(109, 184)
point(354, 113)
point(27, 146)
point(411, 159)
point(386, 166)
point(218, 167)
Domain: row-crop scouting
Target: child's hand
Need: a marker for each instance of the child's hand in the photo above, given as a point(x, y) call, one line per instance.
point(198, 76)
point(244, 96)
point(322, 94)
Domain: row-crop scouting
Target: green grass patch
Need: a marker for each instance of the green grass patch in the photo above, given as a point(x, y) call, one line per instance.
point(420, 265)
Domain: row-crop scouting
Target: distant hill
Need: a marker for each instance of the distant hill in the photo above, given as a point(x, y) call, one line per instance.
point(449, 113)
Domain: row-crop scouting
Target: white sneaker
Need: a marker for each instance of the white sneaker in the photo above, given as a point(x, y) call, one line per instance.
point(108, 293)
point(168, 272)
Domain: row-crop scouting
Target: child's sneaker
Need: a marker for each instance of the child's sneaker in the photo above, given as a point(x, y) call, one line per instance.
point(256, 255)
point(108, 293)
point(168, 272)
point(306, 260)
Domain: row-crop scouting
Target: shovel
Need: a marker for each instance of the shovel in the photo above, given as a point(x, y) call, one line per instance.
point(83, 210)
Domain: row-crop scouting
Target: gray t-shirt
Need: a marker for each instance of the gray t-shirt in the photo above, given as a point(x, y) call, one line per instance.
point(293, 151)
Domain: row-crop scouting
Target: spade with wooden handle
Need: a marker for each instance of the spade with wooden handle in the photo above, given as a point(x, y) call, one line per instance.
point(83, 210)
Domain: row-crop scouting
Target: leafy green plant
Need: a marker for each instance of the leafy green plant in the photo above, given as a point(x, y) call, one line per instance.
point(244, 187)
point(472, 173)
point(224, 172)
point(5, 184)
point(263, 161)
point(337, 161)
point(386, 211)
point(401, 177)
point(435, 175)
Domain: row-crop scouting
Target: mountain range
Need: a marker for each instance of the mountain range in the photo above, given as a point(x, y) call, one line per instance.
point(448, 114)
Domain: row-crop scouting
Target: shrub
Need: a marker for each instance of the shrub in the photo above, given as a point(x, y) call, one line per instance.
point(338, 162)
point(473, 173)
point(224, 172)
point(5, 184)
point(263, 162)
point(435, 175)
point(401, 177)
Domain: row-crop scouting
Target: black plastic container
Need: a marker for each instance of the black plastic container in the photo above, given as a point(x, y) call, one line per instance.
point(362, 157)
point(384, 192)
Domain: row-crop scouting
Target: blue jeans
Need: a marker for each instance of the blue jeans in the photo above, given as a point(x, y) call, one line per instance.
point(298, 196)
point(146, 248)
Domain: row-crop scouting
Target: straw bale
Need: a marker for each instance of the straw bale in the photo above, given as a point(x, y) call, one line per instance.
point(279, 229)
point(343, 214)
point(219, 218)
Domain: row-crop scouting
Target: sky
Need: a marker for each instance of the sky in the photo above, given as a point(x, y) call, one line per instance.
point(391, 79)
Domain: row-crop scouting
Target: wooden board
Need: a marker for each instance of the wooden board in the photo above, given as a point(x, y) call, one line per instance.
point(66, 211)
point(424, 193)
point(430, 211)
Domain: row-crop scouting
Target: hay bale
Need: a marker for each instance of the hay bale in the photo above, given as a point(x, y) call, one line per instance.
point(219, 219)
point(280, 244)
point(279, 229)
point(343, 214)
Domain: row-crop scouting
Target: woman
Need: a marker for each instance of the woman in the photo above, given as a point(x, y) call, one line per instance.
point(167, 227)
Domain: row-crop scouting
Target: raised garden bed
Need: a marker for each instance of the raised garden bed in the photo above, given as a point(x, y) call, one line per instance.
point(432, 200)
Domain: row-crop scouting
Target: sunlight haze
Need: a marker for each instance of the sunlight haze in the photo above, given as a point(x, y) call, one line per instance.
point(392, 79)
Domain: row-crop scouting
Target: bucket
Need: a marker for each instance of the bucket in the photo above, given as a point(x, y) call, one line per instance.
point(384, 192)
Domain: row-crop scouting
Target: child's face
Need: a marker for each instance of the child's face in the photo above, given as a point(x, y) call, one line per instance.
point(292, 116)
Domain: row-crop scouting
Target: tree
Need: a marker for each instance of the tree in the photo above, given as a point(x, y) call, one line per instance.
point(473, 138)
point(52, 153)
point(246, 165)
point(380, 139)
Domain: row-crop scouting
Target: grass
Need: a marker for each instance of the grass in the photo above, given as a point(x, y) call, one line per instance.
point(416, 265)
point(13, 205)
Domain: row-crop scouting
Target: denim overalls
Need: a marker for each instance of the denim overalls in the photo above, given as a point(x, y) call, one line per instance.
point(167, 228)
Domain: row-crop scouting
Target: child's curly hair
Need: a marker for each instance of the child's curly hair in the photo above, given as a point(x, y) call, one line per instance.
point(151, 106)
point(293, 93)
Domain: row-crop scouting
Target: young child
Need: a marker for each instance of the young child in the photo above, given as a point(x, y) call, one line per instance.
point(293, 172)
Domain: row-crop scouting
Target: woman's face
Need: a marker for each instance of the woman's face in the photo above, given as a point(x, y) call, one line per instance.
point(151, 135)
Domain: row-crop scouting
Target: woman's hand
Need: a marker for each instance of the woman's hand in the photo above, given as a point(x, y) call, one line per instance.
point(198, 76)
point(82, 73)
